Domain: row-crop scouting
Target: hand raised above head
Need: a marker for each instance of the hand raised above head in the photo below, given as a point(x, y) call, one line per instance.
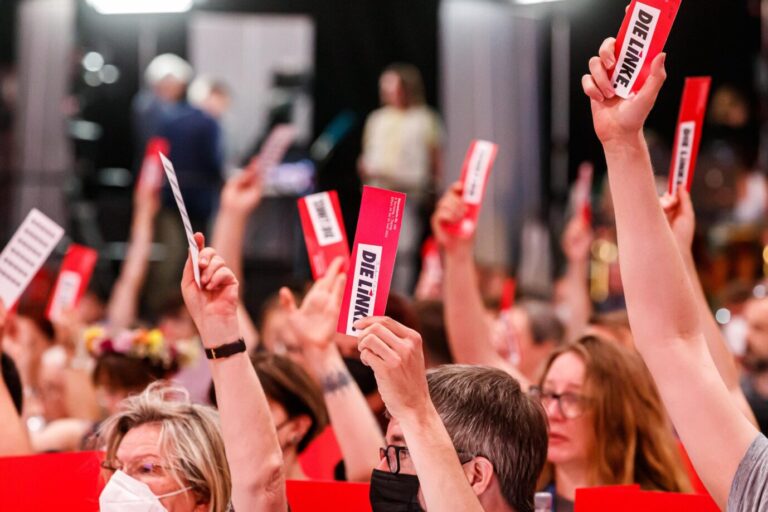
point(616, 119)
point(450, 209)
point(394, 352)
point(213, 306)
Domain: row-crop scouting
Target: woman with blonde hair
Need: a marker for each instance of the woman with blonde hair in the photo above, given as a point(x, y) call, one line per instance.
point(607, 425)
point(160, 439)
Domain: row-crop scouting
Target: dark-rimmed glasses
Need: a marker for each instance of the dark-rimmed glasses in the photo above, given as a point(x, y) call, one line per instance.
point(571, 405)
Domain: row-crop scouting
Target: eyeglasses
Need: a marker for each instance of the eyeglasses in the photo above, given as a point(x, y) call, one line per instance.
point(137, 469)
point(395, 455)
point(570, 405)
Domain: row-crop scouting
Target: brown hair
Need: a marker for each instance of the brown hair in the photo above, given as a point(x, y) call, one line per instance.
point(119, 371)
point(487, 414)
point(410, 79)
point(634, 439)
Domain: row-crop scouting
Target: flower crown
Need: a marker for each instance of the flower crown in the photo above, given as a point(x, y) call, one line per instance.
point(148, 344)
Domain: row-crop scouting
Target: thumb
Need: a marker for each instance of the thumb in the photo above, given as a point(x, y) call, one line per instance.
point(287, 300)
point(188, 277)
point(655, 81)
point(200, 240)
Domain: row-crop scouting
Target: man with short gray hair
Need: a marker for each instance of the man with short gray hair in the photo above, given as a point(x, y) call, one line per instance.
point(460, 438)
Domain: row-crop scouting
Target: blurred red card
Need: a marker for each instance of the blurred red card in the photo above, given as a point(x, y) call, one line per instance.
point(582, 192)
point(474, 176)
point(632, 499)
point(690, 122)
point(74, 276)
point(324, 233)
point(151, 174)
point(641, 38)
point(373, 257)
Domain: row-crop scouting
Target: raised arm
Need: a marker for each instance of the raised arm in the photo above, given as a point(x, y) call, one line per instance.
point(250, 440)
point(123, 305)
point(682, 220)
point(14, 439)
point(313, 325)
point(470, 334)
point(394, 353)
point(660, 300)
point(240, 196)
point(576, 243)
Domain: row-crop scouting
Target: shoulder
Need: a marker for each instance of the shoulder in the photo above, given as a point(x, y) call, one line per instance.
point(749, 489)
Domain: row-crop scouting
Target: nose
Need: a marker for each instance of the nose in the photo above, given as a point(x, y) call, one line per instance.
point(383, 465)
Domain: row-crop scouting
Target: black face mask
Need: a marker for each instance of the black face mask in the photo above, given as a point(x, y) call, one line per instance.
point(394, 493)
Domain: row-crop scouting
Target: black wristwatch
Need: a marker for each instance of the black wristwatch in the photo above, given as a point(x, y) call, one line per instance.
point(226, 350)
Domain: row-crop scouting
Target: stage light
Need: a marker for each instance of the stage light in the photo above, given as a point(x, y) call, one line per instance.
point(140, 6)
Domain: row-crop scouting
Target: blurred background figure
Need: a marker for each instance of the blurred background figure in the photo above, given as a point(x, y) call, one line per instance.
point(401, 151)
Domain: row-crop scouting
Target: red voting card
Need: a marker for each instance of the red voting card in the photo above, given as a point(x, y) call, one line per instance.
point(324, 232)
point(75, 273)
point(632, 499)
point(688, 134)
point(430, 281)
point(641, 38)
point(373, 257)
point(151, 173)
point(474, 176)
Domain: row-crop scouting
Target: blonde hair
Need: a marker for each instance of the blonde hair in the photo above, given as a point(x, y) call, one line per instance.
point(190, 437)
point(634, 442)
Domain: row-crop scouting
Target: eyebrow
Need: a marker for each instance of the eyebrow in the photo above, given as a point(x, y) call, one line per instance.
point(571, 386)
point(139, 456)
point(397, 438)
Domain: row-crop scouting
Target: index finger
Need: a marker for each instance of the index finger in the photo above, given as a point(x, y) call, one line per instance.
point(397, 328)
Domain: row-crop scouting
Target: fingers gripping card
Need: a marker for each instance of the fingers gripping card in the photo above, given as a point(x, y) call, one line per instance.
point(474, 177)
point(373, 257)
point(28, 249)
point(641, 38)
point(173, 180)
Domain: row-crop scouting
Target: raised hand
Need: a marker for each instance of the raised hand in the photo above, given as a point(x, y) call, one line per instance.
point(577, 239)
point(213, 306)
point(313, 324)
point(243, 192)
point(614, 118)
point(450, 210)
point(681, 217)
point(394, 353)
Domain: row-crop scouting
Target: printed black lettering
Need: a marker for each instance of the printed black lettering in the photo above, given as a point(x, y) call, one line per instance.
point(369, 257)
point(367, 270)
point(645, 17)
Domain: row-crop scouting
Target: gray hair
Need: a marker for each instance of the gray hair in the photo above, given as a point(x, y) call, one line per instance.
point(190, 437)
point(487, 414)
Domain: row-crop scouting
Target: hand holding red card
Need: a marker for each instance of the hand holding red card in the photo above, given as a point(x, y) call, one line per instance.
point(474, 177)
point(74, 276)
point(373, 257)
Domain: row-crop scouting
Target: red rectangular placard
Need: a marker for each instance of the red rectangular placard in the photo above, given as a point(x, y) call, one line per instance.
point(373, 257)
point(474, 176)
point(324, 233)
point(641, 38)
point(151, 173)
point(690, 122)
point(74, 275)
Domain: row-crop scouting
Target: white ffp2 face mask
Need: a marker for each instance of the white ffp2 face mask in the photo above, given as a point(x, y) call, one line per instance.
point(124, 493)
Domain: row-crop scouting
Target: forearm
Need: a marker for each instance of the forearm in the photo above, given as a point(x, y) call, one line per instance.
point(250, 440)
point(655, 282)
point(469, 333)
point(354, 424)
point(228, 235)
point(666, 324)
point(441, 477)
point(577, 298)
point(122, 308)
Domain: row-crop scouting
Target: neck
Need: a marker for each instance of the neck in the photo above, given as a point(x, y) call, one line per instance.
point(293, 469)
point(569, 477)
